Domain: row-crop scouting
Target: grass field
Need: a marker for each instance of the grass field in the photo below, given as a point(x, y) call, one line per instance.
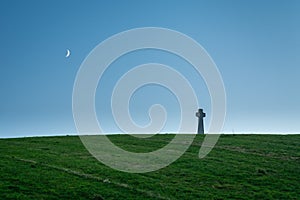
point(239, 167)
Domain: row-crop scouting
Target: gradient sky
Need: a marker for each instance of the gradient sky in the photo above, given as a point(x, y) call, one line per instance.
point(255, 44)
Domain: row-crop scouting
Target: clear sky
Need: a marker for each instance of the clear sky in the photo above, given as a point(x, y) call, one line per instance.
point(255, 44)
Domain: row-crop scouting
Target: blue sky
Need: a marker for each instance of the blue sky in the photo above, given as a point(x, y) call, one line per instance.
point(255, 44)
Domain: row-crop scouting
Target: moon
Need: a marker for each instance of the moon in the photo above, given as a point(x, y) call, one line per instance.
point(68, 53)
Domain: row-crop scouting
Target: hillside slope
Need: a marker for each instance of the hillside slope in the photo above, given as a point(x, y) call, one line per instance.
point(239, 167)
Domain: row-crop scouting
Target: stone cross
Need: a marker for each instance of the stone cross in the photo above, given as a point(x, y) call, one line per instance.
point(200, 114)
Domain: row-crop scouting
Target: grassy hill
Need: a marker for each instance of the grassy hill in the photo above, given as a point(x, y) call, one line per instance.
point(239, 167)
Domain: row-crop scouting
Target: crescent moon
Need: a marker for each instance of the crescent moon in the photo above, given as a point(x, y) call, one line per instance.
point(68, 53)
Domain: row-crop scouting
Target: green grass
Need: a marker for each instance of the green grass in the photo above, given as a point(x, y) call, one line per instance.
point(239, 167)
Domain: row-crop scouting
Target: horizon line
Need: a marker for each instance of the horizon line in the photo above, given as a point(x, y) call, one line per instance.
point(166, 133)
